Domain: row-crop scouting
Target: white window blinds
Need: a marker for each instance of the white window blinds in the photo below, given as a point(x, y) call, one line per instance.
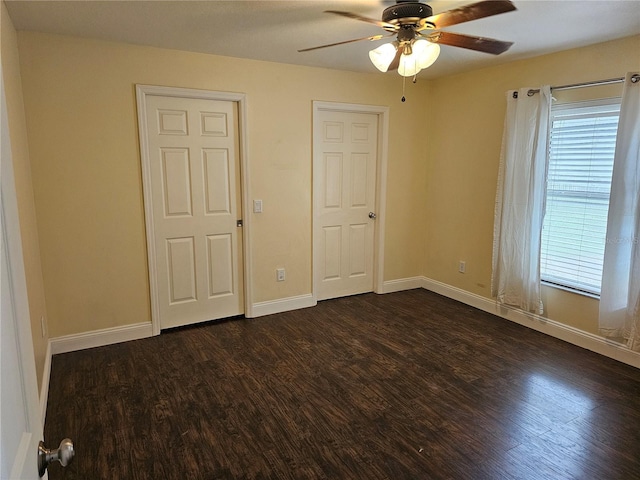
point(581, 150)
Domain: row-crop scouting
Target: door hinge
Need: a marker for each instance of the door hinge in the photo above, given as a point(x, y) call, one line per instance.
point(239, 223)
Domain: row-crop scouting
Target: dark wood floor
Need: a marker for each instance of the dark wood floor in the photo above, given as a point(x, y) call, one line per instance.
point(409, 385)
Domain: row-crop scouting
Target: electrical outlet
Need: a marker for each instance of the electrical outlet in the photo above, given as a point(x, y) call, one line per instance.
point(462, 266)
point(257, 206)
point(280, 274)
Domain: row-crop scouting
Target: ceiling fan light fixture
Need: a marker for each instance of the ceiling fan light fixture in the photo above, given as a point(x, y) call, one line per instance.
point(382, 56)
point(423, 54)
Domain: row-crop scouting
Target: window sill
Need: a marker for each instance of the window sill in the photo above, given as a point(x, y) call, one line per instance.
point(570, 289)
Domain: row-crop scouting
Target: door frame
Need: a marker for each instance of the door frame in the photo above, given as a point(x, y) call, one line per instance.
point(381, 185)
point(240, 99)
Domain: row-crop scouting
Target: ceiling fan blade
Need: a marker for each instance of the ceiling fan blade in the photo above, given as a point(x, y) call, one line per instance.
point(372, 38)
point(395, 63)
point(355, 16)
point(467, 13)
point(480, 44)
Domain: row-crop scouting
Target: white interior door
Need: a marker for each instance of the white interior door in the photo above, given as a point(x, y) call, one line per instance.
point(344, 182)
point(195, 194)
point(20, 419)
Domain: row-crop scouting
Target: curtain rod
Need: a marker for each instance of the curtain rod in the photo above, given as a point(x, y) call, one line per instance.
point(635, 78)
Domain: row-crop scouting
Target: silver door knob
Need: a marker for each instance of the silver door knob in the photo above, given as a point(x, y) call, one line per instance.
point(372, 215)
point(63, 454)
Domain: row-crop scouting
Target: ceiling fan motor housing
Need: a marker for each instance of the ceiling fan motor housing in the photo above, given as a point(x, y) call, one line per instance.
point(406, 12)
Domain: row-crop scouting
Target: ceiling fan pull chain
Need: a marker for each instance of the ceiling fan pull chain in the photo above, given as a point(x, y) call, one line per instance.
point(403, 84)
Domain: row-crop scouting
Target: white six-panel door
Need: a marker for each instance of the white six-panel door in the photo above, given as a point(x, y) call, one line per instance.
point(344, 173)
point(195, 183)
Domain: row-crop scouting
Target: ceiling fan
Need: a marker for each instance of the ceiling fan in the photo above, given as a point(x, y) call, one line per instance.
point(418, 33)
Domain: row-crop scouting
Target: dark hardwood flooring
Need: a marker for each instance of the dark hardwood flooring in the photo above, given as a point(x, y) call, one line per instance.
point(409, 385)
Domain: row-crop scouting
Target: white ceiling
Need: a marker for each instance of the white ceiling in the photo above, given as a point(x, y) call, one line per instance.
point(275, 30)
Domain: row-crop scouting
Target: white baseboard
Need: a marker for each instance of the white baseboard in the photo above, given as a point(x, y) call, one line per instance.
point(548, 326)
point(108, 336)
point(44, 385)
point(100, 338)
point(283, 305)
point(410, 283)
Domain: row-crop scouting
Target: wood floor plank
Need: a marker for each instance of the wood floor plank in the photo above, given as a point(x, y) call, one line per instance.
point(409, 385)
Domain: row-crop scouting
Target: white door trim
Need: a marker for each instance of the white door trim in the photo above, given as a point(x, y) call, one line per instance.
point(141, 92)
point(381, 184)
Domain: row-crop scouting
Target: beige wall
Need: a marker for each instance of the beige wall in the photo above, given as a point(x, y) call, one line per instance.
point(81, 118)
point(464, 156)
point(24, 191)
point(444, 149)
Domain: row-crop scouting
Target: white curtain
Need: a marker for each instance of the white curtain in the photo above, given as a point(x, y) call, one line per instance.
point(620, 294)
point(520, 200)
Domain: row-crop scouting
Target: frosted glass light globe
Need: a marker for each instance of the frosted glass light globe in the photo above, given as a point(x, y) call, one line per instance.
point(382, 56)
point(426, 51)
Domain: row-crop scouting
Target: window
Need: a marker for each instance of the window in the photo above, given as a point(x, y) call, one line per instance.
point(581, 149)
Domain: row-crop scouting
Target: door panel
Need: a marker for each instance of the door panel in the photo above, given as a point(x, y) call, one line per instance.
point(195, 184)
point(217, 176)
point(358, 250)
point(172, 122)
point(214, 124)
point(220, 262)
point(333, 181)
point(182, 270)
point(332, 252)
point(345, 159)
point(176, 180)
